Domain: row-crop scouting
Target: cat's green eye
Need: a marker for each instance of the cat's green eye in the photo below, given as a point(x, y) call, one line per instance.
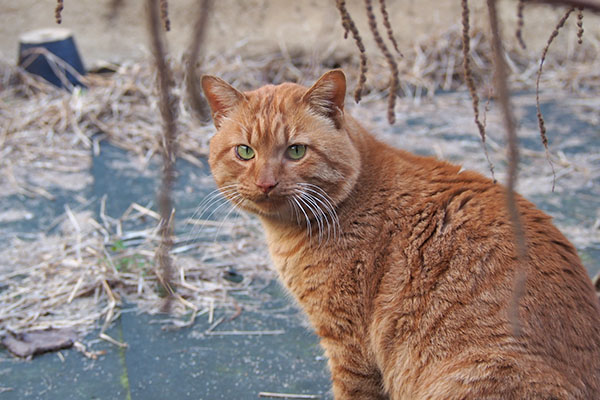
point(244, 152)
point(296, 151)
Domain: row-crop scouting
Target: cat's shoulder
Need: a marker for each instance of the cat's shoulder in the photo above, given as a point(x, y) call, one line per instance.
point(434, 170)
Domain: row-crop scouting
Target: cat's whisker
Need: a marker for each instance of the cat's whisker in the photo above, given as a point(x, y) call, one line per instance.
point(327, 212)
point(206, 205)
point(337, 229)
point(215, 193)
point(224, 195)
point(320, 193)
point(210, 197)
point(327, 215)
point(323, 198)
point(294, 211)
point(315, 214)
point(204, 222)
point(297, 212)
point(318, 213)
point(220, 190)
point(226, 201)
point(235, 201)
point(308, 224)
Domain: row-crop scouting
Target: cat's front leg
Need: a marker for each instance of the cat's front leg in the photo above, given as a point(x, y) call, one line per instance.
point(352, 377)
point(354, 385)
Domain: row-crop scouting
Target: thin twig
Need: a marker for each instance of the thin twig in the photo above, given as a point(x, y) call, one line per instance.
point(349, 26)
point(58, 11)
point(111, 340)
point(500, 73)
point(245, 333)
point(288, 395)
point(197, 102)
point(164, 14)
point(580, 25)
point(168, 150)
point(520, 23)
point(214, 325)
point(389, 58)
point(466, 40)
point(388, 26)
point(540, 117)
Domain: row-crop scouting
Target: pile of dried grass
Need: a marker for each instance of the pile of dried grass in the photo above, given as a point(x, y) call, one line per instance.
point(76, 278)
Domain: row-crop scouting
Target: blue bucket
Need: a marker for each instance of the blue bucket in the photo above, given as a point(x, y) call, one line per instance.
point(52, 54)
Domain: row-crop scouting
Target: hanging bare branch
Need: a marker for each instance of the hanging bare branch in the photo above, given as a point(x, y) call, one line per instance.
point(388, 26)
point(58, 11)
point(520, 23)
point(197, 102)
point(540, 117)
point(466, 40)
point(390, 60)
point(164, 14)
point(502, 91)
point(580, 25)
point(349, 26)
point(169, 150)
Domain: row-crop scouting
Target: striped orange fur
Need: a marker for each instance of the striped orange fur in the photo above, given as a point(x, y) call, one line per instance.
point(403, 264)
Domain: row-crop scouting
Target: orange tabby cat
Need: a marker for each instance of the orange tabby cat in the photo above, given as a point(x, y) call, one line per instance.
point(404, 264)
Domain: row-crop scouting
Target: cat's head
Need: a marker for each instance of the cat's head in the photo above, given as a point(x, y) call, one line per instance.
point(282, 151)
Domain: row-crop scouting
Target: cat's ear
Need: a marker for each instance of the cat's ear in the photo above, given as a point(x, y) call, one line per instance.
point(221, 97)
point(326, 97)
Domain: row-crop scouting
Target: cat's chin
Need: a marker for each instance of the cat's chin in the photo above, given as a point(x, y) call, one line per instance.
point(269, 208)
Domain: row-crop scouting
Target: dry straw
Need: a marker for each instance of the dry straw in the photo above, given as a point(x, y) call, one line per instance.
point(80, 276)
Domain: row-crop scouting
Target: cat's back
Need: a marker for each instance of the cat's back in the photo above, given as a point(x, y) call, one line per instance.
point(452, 275)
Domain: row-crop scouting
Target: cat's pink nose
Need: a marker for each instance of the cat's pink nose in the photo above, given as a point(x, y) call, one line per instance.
point(266, 186)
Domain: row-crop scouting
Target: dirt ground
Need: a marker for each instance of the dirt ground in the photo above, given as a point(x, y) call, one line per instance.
point(254, 27)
